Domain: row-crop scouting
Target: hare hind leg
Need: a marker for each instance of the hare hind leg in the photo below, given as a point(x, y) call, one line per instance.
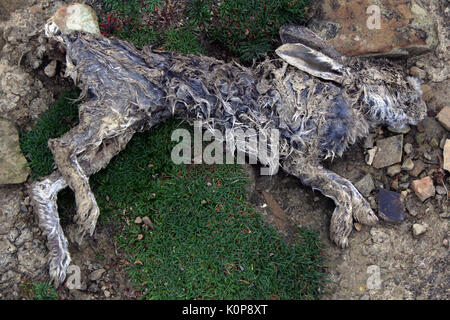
point(350, 204)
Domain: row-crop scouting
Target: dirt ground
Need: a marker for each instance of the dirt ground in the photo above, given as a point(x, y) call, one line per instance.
point(408, 266)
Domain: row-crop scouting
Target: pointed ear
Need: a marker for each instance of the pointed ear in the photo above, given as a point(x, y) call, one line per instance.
point(311, 61)
point(292, 33)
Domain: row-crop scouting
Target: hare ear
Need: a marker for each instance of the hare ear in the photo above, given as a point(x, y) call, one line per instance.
point(292, 33)
point(311, 61)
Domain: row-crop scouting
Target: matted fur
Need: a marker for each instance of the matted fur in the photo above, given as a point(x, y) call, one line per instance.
point(126, 90)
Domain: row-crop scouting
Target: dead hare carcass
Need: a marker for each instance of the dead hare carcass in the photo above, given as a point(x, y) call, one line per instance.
point(320, 102)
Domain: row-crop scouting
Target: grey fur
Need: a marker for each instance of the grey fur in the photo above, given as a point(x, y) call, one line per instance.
point(128, 90)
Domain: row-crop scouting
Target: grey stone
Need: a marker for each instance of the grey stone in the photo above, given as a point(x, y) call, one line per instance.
point(50, 69)
point(394, 170)
point(403, 130)
point(13, 165)
point(96, 275)
point(408, 148)
point(25, 235)
point(389, 151)
point(408, 164)
point(365, 185)
point(32, 259)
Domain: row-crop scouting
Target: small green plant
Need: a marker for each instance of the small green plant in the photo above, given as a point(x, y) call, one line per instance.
point(133, 9)
point(249, 28)
point(38, 291)
point(57, 120)
point(183, 40)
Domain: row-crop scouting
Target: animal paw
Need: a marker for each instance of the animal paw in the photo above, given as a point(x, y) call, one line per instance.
point(58, 266)
point(341, 225)
point(86, 219)
point(363, 213)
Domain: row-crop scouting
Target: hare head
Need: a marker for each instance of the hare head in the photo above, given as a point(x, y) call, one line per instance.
point(377, 87)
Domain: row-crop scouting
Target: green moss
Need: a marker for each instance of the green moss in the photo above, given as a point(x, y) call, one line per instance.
point(57, 120)
point(248, 28)
point(38, 291)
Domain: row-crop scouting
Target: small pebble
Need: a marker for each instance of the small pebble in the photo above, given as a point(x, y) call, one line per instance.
point(97, 274)
point(50, 69)
point(445, 243)
point(434, 143)
point(357, 226)
point(107, 293)
point(138, 220)
point(408, 164)
point(441, 190)
point(394, 170)
point(408, 148)
point(419, 229)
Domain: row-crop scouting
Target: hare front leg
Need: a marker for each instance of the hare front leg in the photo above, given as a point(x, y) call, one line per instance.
point(44, 196)
point(350, 204)
point(86, 142)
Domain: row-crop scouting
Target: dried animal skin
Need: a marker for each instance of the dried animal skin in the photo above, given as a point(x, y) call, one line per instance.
point(126, 90)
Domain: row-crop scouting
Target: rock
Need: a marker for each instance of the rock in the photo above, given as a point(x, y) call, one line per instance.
point(107, 293)
point(418, 229)
point(357, 226)
point(408, 148)
point(371, 155)
point(427, 92)
point(444, 117)
point(97, 274)
point(441, 190)
point(32, 259)
point(50, 69)
point(432, 128)
point(138, 220)
point(394, 184)
point(390, 206)
point(93, 288)
point(8, 6)
point(447, 155)
point(408, 165)
point(13, 165)
point(148, 222)
point(389, 151)
point(405, 28)
point(420, 138)
point(403, 130)
point(445, 243)
point(394, 170)
point(442, 142)
point(365, 185)
point(419, 166)
point(434, 143)
point(81, 18)
point(424, 188)
point(369, 142)
point(403, 186)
